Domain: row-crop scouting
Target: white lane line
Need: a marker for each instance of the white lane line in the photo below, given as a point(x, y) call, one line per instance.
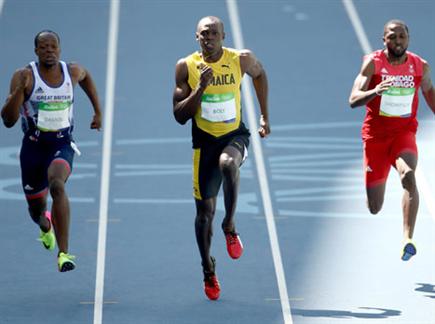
point(107, 149)
point(423, 185)
point(357, 26)
point(424, 188)
point(2, 2)
point(261, 169)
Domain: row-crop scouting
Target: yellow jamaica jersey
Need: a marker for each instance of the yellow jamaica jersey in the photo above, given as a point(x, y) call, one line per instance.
point(220, 110)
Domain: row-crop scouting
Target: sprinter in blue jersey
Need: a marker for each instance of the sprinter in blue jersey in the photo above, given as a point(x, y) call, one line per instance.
point(42, 94)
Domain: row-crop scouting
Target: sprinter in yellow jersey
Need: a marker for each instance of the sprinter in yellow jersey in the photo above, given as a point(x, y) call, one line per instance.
point(207, 91)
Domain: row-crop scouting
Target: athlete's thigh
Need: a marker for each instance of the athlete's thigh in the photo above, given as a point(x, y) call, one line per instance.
point(33, 168)
point(207, 177)
point(377, 162)
point(61, 161)
point(404, 153)
point(237, 149)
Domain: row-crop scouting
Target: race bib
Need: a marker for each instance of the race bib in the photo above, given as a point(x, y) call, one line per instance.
point(53, 116)
point(218, 107)
point(397, 102)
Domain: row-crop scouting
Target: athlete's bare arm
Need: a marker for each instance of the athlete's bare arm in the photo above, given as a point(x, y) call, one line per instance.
point(360, 94)
point(185, 100)
point(20, 86)
point(81, 76)
point(251, 66)
point(427, 87)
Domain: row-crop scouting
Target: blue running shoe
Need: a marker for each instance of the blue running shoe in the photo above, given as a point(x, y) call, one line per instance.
point(409, 250)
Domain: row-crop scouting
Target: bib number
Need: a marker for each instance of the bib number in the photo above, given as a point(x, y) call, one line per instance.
point(53, 116)
point(218, 107)
point(397, 102)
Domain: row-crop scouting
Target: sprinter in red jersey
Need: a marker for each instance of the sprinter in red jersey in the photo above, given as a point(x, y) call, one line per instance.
point(388, 85)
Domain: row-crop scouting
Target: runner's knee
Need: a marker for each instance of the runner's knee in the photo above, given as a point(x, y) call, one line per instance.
point(205, 211)
point(36, 212)
point(408, 181)
point(57, 187)
point(374, 206)
point(228, 164)
point(204, 217)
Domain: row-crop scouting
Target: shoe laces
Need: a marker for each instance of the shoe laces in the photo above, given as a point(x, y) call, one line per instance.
point(68, 256)
point(211, 281)
point(232, 237)
point(44, 235)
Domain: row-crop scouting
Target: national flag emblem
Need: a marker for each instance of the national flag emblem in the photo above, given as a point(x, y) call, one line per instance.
point(411, 68)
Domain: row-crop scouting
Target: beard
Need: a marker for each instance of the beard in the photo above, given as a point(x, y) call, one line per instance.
point(397, 53)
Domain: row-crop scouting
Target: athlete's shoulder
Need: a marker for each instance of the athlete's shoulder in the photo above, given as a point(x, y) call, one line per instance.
point(181, 61)
point(416, 57)
point(24, 70)
point(416, 63)
point(372, 62)
point(230, 50)
point(182, 69)
point(189, 59)
point(23, 76)
point(192, 56)
point(373, 56)
point(76, 71)
point(73, 66)
point(23, 73)
point(237, 53)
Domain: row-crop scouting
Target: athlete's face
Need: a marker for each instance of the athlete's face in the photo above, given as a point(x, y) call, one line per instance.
point(396, 40)
point(48, 49)
point(210, 36)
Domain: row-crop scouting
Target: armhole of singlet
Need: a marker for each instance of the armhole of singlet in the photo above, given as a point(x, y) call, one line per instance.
point(419, 64)
point(68, 70)
point(377, 61)
point(26, 98)
point(188, 61)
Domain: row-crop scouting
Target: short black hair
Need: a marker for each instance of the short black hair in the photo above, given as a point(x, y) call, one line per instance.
point(214, 19)
point(43, 32)
point(396, 22)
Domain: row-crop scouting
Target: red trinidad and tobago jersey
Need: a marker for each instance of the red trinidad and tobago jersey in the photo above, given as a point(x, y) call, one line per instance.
point(395, 111)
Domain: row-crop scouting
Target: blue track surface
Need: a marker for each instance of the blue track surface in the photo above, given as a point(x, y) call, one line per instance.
point(341, 264)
